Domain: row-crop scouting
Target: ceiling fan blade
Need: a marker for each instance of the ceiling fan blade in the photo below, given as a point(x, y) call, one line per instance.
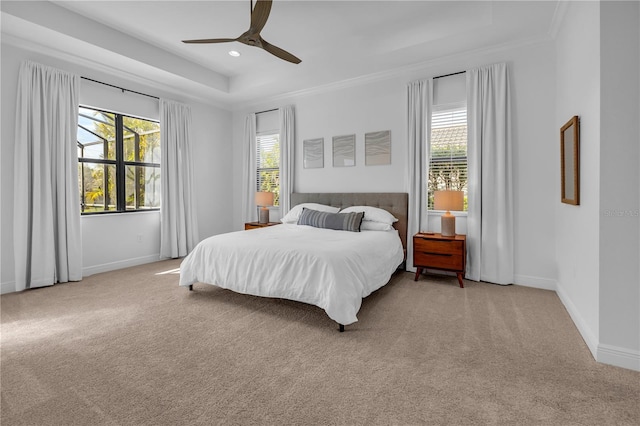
point(259, 15)
point(210, 40)
point(280, 53)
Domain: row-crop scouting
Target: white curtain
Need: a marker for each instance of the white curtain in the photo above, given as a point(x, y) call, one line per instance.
point(178, 221)
point(490, 216)
point(47, 235)
point(249, 170)
point(419, 96)
point(287, 140)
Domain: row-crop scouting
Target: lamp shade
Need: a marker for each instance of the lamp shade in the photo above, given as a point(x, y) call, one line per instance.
point(264, 198)
point(448, 200)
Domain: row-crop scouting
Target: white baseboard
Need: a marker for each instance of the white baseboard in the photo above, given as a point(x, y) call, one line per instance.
point(587, 335)
point(7, 287)
point(620, 357)
point(535, 282)
point(106, 267)
point(10, 286)
point(606, 354)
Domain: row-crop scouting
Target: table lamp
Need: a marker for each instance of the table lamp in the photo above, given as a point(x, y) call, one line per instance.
point(448, 200)
point(263, 200)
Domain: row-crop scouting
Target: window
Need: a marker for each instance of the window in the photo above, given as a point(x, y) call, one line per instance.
point(118, 162)
point(448, 162)
point(268, 164)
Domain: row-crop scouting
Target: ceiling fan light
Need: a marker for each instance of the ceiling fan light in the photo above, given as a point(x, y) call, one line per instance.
point(234, 53)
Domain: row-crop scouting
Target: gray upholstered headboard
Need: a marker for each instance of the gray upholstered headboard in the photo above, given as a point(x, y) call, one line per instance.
point(396, 203)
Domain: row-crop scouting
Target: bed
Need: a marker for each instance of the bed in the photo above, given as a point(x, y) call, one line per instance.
point(331, 269)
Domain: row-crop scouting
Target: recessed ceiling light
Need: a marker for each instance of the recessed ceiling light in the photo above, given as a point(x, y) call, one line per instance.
point(234, 53)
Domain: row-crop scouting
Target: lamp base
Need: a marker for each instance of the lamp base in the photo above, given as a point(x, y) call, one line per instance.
point(448, 225)
point(264, 215)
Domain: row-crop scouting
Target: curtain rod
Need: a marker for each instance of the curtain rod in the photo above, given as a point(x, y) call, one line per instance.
point(118, 87)
point(447, 75)
point(268, 110)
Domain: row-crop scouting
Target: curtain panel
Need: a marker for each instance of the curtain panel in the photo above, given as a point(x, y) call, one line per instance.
point(490, 216)
point(178, 221)
point(419, 106)
point(287, 140)
point(47, 233)
point(249, 170)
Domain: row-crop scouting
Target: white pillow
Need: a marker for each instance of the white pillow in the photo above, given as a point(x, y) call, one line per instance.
point(372, 214)
point(375, 226)
point(294, 213)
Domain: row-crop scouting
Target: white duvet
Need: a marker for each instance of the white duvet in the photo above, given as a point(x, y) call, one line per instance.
point(333, 270)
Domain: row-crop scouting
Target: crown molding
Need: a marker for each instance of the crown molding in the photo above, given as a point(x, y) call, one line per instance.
point(179, 92)
point(233, 106)
point(393, 73)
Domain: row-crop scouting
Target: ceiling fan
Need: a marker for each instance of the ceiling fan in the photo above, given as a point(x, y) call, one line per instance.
point(251, 37)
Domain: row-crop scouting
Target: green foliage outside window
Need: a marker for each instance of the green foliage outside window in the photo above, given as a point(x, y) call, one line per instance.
point(448, 154)
point(269, 165)
point(98, 184)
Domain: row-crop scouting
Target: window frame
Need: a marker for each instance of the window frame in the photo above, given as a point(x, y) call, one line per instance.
point(267, 133)
point(445, 108)
point(119, 162)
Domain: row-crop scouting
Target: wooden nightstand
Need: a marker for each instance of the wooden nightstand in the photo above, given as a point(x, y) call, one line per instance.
point(254, 225)
point(434, 251)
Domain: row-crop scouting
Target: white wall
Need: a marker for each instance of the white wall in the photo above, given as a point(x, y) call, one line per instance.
point(380, 104)
point(597, 242)
point(577, 236)
point(119, 240)
point(354, 110)
point(619, 174)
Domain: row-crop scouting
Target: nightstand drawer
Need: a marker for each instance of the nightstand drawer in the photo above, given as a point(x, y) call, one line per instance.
point(438, 260)
point(433, 251)
point(438, 246)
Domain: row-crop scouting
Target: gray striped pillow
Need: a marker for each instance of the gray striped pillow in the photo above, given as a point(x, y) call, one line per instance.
point(338, 221)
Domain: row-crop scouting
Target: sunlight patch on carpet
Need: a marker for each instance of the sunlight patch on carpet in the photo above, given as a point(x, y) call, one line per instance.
point(170, 271)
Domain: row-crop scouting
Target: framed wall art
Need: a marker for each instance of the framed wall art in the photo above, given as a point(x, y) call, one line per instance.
point(313, 153)
point(377, 148)
point(570, 161)
point(344, 151)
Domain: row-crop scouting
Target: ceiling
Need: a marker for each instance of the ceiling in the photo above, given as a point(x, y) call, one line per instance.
point(337, 41)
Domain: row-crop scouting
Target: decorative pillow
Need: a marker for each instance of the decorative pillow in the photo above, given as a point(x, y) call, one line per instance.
point(369, 225)
point(293, 214)
point(338, 221)
point(372, 214)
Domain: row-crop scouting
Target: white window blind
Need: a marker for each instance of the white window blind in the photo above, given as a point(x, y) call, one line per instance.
point(448, 162)
point(268, 164)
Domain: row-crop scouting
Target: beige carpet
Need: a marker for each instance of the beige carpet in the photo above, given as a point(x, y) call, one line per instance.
point(132, 348)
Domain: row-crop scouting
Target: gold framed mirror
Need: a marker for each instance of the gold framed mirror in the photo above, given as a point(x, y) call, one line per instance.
point(570, 161)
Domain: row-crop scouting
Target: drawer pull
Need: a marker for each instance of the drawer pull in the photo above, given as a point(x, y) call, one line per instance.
point(437, 254)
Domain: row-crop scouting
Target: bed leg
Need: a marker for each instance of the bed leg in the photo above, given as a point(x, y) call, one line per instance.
point(191, 287)
point(341, 328)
